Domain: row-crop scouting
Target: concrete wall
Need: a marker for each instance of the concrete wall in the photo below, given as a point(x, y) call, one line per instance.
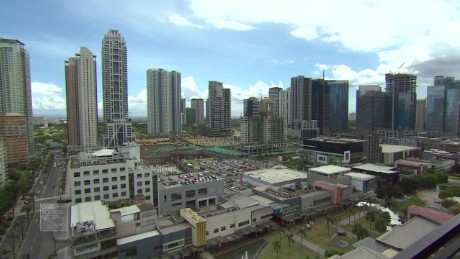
point(144, 248)
point(310, 200)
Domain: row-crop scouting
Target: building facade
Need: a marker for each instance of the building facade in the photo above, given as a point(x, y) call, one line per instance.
point(3, 165)
point(115, 90)
point(198, 105)
point(274, 96)
point(370, 107)
point(81, 99)
point(218, 109)
point(300, 100)
point(15, 84)
point(164, 105)
point(420, 115)
point(13, 131)
point(402, 98)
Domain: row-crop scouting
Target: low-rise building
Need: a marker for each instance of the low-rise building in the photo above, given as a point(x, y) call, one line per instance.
point(362, 182)
point(387, 173)
point(392, 153)
point(335, 151)
point(330, 171)
point(277, 176)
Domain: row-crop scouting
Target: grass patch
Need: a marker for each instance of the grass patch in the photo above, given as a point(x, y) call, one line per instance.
point(297, 251)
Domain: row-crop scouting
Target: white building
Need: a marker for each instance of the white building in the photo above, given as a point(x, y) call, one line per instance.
point(109, 176)
point(81, 93)
point(331, 171)
point(362, 182)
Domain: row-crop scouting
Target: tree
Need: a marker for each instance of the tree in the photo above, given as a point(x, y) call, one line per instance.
point(290, 238)
point(331, 219)
point(277, 247)
point(359, 231)
point(303, 233)
point(351, 210)
point(408, 185)
point(427, 180)
point(371, 216)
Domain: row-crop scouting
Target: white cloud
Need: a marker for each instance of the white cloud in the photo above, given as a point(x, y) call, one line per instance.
point(45, 88)
point(182, 21)
point(282, 62)
point(47, 99)
point(190, 89)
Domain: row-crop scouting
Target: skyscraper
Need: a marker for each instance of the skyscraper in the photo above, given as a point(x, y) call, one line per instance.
point(274, 96)
point(115, 89)
point(370, 107)
point(401, 89)
point(284, 105)
point(198, 105)
point(251, 107)
point(163, 102)
point(218, 109)
point(420, 115)
point(435, 108)
point(300, 100)
point(15, 85)
point(81, 96)
point(183, 106)
point(329, 104)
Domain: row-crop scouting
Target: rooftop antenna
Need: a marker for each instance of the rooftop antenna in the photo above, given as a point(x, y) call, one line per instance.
point(323, 73)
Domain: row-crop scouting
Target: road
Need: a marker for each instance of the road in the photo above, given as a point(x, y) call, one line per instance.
point(40, 244)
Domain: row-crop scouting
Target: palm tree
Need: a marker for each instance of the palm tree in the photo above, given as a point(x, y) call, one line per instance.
point(282, 231)
point(359, 231)
point(331, 219)
point(290, 239)
point(371, 216)
point(277, 247)
point(303, 233)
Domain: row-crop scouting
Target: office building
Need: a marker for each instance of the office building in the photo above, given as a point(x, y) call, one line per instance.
point(15, 84)
point(3, 165)
point(420, 115)
point(183, 105)
point(81, 96)
point(107, 175)
point(115, 90)
point(402, 98)
point(13, 131)
point(274, 96)
point(164, 103)
point(370, 107)
point(300, 100)
point(329, 105)
point(435, 108)
point(190, 118)
point(218, 109)
point(284, 105)
point(198, 105)
point(251, 107)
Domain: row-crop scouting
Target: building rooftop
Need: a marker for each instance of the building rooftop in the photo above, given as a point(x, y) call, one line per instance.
point(375, 168)
point(401, 237)
point(361, 252)
point(127, 210)
point(104, 152)
point(192, 215)
point(173, 228)
point(133, 238)
point(277, 174)
point(93, 212)
point(395, 148)
point(330, 169)
point(360, 176)
point(337, 140)
point(371, 243)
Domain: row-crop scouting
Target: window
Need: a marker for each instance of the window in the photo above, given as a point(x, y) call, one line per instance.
point(123, 193)
point(146, 174)
point(96, 181)
point(123, 186)
point(97, 189)
point(97, 197)
point(87, 198)
point(202, 192)
point(114, 187)
point(216, 230)
point(87, 182)
point(232, 225)
point(139, 183)
point(106, 196)
point(77, 183)
point(115, 195)
point(113, 170)
point(176, 196)
point(76, 174)
point(105, 188)
point(147, 197)
point(95, 172)
point(78, 200)
point(173, 245)
point(114, 179)
point(243, 223)
point(77, 192)
point(88, 190)
point(190, 194)
point(105, 180)
point(147, 182)
point(254, 220)
point(122, 178)
point(222, 228)
point(176, 204)
point(139, 175)
point(207, 233)
point(86, 173)
point(122, 169)
point(105, 171)
point(147, 189)
point(139, 191)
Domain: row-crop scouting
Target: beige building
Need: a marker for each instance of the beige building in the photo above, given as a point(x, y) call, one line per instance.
point(13, 130)
point(198, 106)
point(81, 91)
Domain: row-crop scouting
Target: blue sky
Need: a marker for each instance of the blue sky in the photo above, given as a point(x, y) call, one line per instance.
point(250, 45)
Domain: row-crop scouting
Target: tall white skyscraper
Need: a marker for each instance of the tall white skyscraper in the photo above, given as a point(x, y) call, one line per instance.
point(81, 96)
point(115, 89)
point(15, 85)
point(218, 109)
point(163, 102)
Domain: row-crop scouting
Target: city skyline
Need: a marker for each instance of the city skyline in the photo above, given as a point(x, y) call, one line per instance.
point(234, 42)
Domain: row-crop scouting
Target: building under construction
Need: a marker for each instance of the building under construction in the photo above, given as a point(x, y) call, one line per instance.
point(402, 100)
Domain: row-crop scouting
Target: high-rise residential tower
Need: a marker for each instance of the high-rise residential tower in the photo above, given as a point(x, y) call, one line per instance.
point(420, 115)
point(81, 96)
point(163, 102)
point(218, 109)
point(300, 100)
point(402, 98)
point(274, 96)
point(198, 105)
point(370, 107)
point(115, 89)
point(284, 105)
point(15, 84)
point(183, 106)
